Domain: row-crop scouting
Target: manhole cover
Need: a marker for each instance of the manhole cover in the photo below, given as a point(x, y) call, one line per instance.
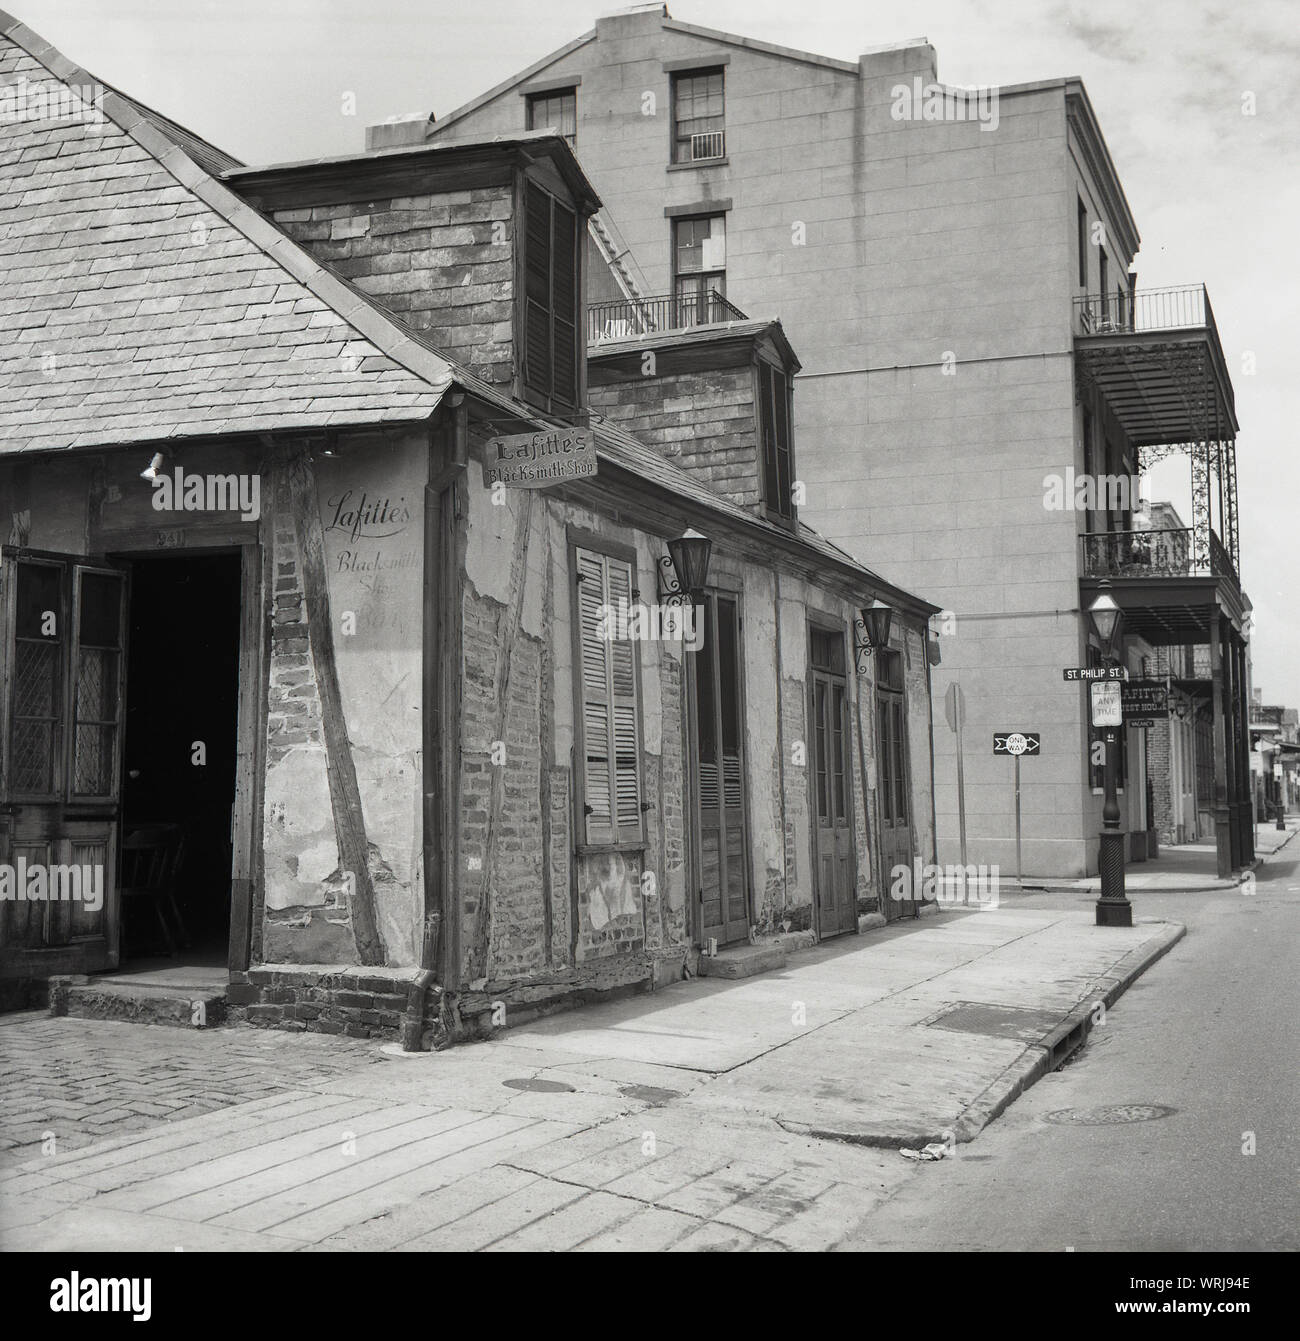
point(1110, 1113)
point(978, 1017)
point(536, 1086)
point(649, 1094)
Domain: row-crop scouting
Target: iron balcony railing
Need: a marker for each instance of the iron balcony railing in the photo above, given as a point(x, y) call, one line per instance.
point(1169, 553)
point(1143, 312)
point(627, 318)
point(1184, 308)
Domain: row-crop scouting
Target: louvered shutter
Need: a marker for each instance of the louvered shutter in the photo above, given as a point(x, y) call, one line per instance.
point(537, 288)
point(610, 753)
point(781, 417)
point(551, 350)
point(564, 303)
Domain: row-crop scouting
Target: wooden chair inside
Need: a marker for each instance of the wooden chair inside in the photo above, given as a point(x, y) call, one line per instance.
point(151, 858)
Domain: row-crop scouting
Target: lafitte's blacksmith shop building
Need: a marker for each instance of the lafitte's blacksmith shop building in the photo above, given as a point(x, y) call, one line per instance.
point(319, 669)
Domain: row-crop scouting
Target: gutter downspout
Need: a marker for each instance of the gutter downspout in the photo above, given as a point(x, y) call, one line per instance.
point(437, 589)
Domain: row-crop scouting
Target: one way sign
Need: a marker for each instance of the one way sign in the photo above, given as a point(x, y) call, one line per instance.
point(1016, 742)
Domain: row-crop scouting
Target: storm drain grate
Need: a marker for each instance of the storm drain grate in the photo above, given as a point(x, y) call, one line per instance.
point(978, 1017)
point(1109, 1114)
point(535, 1086)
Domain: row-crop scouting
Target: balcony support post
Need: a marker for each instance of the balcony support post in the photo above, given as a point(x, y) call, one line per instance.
point(1221, 746)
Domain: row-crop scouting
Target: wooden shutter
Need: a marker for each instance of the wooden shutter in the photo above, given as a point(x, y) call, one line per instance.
point(551, 345)
point(774, 417)
point(611, 759)
point(781, 445)
point(537, 288)
point(564, 303)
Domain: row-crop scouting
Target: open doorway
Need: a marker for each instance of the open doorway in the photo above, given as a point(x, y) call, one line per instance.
point(179, 757)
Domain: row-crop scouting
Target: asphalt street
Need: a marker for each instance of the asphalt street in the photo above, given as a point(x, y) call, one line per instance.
point(1208, 1033)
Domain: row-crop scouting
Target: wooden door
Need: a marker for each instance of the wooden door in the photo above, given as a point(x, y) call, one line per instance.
point(832, 802)
point(892, 787)
point(61, 694)
point(717, 720)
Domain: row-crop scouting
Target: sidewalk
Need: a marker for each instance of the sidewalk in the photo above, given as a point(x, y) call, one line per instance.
point(1187, 868)
point(713, 1114)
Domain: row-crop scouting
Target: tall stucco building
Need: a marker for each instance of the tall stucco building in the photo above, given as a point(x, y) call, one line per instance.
point(956, 269)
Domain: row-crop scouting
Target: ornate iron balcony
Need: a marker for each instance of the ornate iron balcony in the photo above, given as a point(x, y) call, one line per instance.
point(1172, 553)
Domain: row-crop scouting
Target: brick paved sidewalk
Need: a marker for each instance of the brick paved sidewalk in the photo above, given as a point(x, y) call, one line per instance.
point(80, 1081)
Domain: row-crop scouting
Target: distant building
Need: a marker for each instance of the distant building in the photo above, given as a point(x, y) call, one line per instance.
point(955, 269)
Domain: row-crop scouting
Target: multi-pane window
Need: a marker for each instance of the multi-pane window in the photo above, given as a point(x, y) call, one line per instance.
point(556, 109)
point(609, 715)
point(699, 122)
point(550, 343)
point(700, 268)
point(1103, 284)
point(65, 692)
point(778, 456)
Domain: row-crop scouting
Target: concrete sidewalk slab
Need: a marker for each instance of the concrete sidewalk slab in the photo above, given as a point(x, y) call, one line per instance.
point(695, 1118)
point(794, 1048)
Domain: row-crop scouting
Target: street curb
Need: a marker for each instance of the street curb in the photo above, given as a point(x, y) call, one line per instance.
point(1030, 1067)
point(1047, 1054)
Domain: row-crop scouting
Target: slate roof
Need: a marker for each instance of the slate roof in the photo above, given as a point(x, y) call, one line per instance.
point(142, 300)
point(173, 309)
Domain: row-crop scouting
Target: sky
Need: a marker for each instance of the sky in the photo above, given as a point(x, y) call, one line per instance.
point(1215, 191)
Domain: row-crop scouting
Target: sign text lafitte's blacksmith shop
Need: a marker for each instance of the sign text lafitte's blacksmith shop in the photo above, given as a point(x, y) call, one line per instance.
point(533, 460)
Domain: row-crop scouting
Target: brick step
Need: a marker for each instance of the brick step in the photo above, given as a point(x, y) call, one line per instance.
point(742, 961)
point(201, 1008)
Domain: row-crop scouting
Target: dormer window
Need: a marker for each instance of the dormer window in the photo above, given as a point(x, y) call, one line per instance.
point(550, 337)
point(777, 441)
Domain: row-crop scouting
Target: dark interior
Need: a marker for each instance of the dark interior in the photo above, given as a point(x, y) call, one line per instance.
point(182, 688)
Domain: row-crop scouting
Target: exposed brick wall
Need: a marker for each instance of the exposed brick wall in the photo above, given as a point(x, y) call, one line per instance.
point(320, 932)
point(1160, 772)
point(357, 1003)
point(705, 421)
point(294, 712)
point(502, 859)
point(444, 263)
point(673, 895)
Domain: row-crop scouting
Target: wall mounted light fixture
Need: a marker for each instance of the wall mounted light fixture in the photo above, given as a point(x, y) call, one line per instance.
point(684, 570)
point(871, 631)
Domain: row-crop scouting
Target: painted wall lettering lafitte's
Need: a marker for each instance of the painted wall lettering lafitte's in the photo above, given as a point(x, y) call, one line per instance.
point(361, 514)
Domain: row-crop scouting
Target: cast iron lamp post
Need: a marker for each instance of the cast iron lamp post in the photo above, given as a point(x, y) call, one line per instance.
point(1113, 908)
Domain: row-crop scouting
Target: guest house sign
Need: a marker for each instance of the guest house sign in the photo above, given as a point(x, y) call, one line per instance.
point(534, 460)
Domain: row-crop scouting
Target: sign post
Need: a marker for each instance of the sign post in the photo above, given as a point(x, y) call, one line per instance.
point(1016, 743)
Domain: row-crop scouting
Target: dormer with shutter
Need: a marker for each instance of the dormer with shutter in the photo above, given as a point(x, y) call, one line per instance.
point(715, 398)
point(477, 246)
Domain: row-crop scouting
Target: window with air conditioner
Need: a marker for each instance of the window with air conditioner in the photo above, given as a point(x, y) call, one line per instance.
point(699, 123)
